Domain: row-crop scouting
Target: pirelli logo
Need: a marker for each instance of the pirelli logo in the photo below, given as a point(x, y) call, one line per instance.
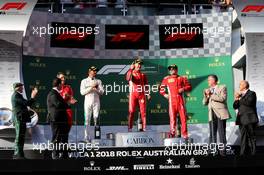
point(144, 167)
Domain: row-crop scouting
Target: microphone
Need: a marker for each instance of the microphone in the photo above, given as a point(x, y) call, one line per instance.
point(212, 90)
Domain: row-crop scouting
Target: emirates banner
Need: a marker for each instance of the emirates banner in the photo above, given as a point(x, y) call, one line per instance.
point(39, 71)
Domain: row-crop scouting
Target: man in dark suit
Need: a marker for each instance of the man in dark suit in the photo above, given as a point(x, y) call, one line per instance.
point(57, 117)
point(21, 116)
point(247, 119)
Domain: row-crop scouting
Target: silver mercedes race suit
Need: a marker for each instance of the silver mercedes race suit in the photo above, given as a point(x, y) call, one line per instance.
point(91, 101)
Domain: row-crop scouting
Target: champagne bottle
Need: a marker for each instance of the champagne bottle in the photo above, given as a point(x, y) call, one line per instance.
point(97, 130)
point(139, 123)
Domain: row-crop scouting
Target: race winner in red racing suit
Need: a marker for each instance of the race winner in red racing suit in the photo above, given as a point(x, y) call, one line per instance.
point(67, 94)
point(138, 91)
point(176, 85)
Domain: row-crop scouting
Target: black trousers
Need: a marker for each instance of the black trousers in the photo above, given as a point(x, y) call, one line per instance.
point(60, 134)
point(20, 137)
point(248, 139)
point(216, 124)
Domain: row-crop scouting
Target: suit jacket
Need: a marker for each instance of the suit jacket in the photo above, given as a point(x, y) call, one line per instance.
point(217, 103)
point(20, 107)
point(56, 107)
point(247, 110)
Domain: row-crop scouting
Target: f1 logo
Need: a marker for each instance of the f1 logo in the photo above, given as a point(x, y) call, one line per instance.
point(120, 69)
point(253, 8)
point(180, 36)
point(13, 5)
point(74, 36)
point(127, 36)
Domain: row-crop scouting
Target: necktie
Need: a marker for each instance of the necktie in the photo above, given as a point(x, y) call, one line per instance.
point(212, 90)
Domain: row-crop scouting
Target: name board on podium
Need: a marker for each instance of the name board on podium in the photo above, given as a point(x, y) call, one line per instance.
point(138, 139)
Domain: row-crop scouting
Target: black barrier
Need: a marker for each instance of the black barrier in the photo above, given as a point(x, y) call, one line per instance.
point(129, 159)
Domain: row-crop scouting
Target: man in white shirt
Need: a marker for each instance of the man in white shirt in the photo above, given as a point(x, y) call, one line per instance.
point(92, 89)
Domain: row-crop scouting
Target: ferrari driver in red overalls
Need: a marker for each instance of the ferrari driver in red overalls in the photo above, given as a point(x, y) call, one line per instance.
point(176, 86)
point(138, 91)
point(67, 94)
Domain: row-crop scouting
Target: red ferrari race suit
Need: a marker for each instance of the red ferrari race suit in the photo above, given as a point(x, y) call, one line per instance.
point(137, 96)
point(176, 101)
point(67, 93)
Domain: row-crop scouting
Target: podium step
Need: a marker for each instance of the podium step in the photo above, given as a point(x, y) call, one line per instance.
point(173, 141)
point(104, 142)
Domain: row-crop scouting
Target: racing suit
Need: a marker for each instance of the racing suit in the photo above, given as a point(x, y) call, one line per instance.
point(67, 93)
point(176, 101)
point(137, 96)
point(91, 101)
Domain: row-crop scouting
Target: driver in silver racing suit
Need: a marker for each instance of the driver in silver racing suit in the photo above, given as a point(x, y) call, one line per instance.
point(92, 89)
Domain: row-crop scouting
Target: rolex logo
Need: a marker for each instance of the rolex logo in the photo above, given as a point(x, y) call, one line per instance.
point(158, 110)
point(67, 72)
point(38, 85)
point(69, 75)
point(37, 59)
point(37, 82)
point(37, 105)
point(37, 63)
point(217, 63)
point(216, 60)
point(189, 75)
